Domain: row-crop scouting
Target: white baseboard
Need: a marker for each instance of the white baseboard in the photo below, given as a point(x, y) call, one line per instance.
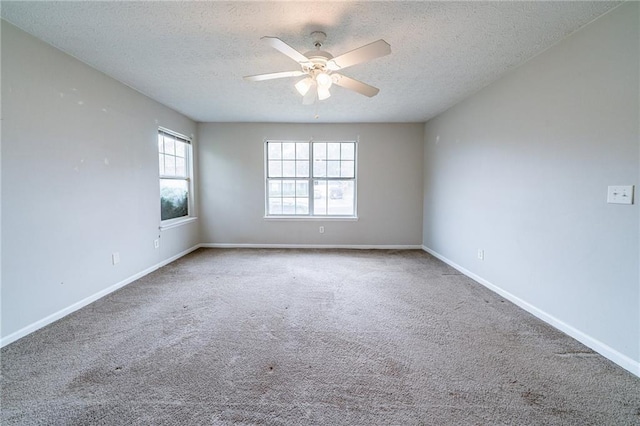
point(84, 302)
point(314, 246)
point(603, 349)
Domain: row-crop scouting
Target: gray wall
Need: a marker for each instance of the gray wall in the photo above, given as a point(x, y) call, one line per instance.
point(389, 185)
point(521, 170)
point(79, 181)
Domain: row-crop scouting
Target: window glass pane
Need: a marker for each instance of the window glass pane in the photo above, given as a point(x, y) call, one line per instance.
point(302, 169)
point(288, 168)
point(318, 191)
point(275, 206)
point(181, 167)
point(169, 165)
point(348, 151)
point(275, 188)
point(275, 169)
point(333, 168)
point(319, 150)
point(302, 188)
point(180, 149)
point(160, 143)
point(289, 151)
point(335, 190)
point(288, 206)
point(319, 168)
point(302, 206)
point(347, 169)
point(333, 151)
point(169, 145)
point(320, 197)
point(274, 150)
point(161, 164)
point(288, 188)
point(174, 198)
point(302, 151)
point(341, 198)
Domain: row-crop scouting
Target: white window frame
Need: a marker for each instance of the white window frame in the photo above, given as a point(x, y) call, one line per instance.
point(188, 177)
point(310, 179)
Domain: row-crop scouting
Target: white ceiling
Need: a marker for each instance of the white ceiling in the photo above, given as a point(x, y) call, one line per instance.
point(191, 56)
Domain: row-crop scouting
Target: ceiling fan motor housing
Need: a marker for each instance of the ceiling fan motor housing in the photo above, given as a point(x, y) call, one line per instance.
point(318, 59)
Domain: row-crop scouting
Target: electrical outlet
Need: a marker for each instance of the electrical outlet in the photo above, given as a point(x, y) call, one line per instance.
point(115, 258)
point(480, 254)
point(322, 229)
point(156, 243)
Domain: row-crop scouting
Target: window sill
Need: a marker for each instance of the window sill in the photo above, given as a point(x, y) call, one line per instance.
point(176, 223)
point(312, 218)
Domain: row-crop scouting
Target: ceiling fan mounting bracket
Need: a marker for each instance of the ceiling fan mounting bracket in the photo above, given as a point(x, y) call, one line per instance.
point(318, 38)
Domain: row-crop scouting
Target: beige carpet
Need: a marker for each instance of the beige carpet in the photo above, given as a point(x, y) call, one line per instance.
point(309, 337)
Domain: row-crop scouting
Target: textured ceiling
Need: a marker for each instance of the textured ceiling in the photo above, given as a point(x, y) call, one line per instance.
point(191, 56)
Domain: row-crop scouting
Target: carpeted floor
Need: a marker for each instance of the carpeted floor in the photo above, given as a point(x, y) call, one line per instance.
point(309, 337)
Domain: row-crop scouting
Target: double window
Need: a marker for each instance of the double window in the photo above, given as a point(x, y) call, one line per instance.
point(175, 176)
point(310, 178)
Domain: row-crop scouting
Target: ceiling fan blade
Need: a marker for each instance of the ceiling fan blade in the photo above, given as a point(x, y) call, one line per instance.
point(362, 54)
point(283, 47)
point(271, 76)
point(310, 97)
point(355, 85)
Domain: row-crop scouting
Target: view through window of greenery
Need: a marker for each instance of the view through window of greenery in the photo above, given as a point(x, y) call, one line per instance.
point(174, 199)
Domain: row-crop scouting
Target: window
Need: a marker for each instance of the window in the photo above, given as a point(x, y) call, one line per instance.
point(175, 176)
point(310, 178)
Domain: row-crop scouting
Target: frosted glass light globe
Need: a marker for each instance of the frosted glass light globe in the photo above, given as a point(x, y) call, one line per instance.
point(324, 80)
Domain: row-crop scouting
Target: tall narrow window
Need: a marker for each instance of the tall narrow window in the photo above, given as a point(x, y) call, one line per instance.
point(310, 179)
point(175, 175)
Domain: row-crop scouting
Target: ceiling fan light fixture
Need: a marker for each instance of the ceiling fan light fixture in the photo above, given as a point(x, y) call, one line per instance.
point(304, 85)
point(317, 68)
point(323, 93)
point(324, 80)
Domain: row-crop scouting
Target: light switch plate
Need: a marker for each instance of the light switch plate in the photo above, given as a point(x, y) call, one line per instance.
point(620, 194)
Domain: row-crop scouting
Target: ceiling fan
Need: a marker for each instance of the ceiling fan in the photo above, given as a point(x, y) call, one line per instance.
point(319, 66)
